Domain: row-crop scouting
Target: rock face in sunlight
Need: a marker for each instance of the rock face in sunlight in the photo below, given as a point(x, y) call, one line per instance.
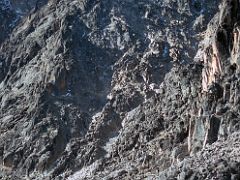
point(131, 89)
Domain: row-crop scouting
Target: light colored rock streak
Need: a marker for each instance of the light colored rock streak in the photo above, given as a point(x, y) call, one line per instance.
point(235, 54)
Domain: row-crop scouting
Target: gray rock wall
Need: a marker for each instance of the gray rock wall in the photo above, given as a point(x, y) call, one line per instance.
point(119, 90)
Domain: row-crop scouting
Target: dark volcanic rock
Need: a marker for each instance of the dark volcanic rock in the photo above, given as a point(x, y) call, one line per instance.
point(7, 18)
point(119, 89)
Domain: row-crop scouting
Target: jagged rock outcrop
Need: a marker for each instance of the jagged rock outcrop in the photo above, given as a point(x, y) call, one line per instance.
point(12, 11)
point(119, 90)
point(193, 111)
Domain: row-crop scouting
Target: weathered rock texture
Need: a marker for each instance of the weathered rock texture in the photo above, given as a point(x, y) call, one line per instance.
point(7, 17)
point(125, 89)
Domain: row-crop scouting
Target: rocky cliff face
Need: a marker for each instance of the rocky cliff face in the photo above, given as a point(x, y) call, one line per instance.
point(119, 89)
point(7, 17)
point(12, 11)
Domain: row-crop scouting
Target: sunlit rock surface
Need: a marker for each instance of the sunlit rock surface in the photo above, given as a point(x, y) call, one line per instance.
point(125, 89)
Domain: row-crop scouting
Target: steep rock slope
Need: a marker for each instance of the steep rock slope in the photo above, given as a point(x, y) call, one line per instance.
point(85, 86)
point(190, 128)
point(12, 11)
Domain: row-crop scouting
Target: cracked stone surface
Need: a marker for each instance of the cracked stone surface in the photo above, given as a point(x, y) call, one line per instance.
point(131, 89)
